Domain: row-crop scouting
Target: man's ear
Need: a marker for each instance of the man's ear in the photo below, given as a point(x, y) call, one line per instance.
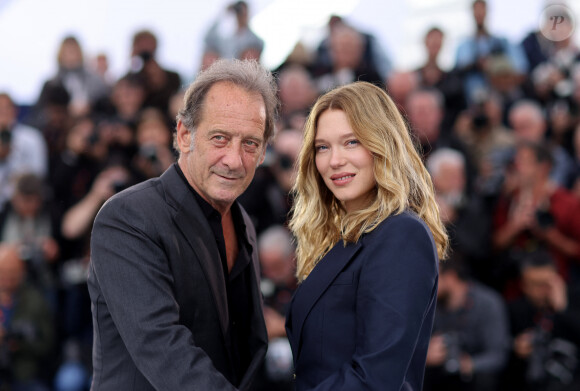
point(183, 137)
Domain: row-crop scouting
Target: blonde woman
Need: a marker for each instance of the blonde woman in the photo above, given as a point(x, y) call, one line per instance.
point(369, 239)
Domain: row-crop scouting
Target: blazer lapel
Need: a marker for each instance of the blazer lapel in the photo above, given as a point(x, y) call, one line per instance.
point(189, 218)
point(259, 335)
point(314, 286)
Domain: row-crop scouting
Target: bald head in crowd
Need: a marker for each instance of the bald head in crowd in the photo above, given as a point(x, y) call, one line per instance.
point(528, 122)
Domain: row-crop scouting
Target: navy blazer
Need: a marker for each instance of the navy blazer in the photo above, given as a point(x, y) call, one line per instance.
point(158, 294)
point(362, 319)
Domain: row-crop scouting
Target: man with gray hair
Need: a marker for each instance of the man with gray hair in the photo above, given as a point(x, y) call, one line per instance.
point(529, 124)
point(174, 274)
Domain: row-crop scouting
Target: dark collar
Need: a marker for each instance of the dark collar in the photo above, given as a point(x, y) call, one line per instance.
point(210, 212)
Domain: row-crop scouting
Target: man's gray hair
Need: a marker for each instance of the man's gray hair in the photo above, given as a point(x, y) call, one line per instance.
point(247, 74)
point(442, 156)
point(276, 238)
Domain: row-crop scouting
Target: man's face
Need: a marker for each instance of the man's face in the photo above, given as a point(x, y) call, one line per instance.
point(527, 167)
point(26, 206)
point(479, 13)
point(536, 284)
point(7, 112)
point(527, 126)
point(228, 144)
point(425, 116)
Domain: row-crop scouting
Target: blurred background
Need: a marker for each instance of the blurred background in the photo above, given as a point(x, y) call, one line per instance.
point(31, 30)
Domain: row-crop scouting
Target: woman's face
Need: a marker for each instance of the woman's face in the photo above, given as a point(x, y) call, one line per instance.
point(343, 163)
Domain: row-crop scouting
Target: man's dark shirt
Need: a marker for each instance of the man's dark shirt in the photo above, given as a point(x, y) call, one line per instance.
point(237, 283)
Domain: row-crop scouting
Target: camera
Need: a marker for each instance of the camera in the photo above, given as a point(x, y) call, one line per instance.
point(238, 7)
point(452, 343)
point(544, 218)
point(149, 152)
point(5, 136)
point(145, 56)
point(285, 162)
point(119, 186)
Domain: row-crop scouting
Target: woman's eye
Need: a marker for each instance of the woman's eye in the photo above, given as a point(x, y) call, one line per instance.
point(319, 148)
point(352, 142)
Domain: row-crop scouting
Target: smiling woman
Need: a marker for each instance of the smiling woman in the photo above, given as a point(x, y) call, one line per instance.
point(345, 165)
point(369, 238)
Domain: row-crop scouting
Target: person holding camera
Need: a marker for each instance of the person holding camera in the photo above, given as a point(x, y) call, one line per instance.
point(545, 321)
point(532, 212)
point(469, 346)
point(153, 137)
point(22, 149)
point(268, 199)
point(26, 326)
point(479, 54)
point(230, 37)
point(160, 84)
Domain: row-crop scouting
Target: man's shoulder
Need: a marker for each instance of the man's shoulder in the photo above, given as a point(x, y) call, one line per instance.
point(146, 197)
point(486, 296)
point(26, 133)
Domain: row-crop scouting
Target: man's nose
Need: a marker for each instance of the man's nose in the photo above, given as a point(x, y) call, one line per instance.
point(233, 156)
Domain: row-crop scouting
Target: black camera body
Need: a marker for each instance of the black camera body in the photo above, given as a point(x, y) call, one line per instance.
point(5, 136)
point(453, 345)
point(544, 218)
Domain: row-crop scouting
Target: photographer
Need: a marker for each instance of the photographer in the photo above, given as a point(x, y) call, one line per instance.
point(78, 220)
point(477, 54)
point(26, 326)
point(22, 149)
point(545, 322)
point(153, 138)
point(278, 283)
point(231, 37)
point(534, 212)
point(27, 223)
point(469, 345)
point(268, 199)
point(160, 84)
point(489, 142)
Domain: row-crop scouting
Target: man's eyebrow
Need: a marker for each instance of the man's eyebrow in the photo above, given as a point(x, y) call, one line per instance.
point(212, 132)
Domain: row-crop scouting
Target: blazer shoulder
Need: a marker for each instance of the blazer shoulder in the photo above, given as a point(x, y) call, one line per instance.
point(404, 223)
point(403, 235)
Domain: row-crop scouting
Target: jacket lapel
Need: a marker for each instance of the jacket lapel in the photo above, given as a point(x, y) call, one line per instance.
point(190, 220)
point(259, 336)
point(315, 285)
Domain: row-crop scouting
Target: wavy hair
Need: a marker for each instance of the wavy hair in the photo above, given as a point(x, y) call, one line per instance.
point(403, 183)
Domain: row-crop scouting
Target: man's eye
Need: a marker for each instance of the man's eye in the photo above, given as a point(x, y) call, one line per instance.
point(219, 139)
point(251, 146)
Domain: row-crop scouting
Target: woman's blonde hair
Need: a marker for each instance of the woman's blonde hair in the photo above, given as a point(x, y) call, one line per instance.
point(318, 218)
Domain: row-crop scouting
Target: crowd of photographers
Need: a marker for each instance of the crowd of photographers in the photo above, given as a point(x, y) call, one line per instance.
point(499, 133)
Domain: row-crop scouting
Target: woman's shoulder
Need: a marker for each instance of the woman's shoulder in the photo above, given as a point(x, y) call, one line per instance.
point(407, 226)
point(406, 220)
